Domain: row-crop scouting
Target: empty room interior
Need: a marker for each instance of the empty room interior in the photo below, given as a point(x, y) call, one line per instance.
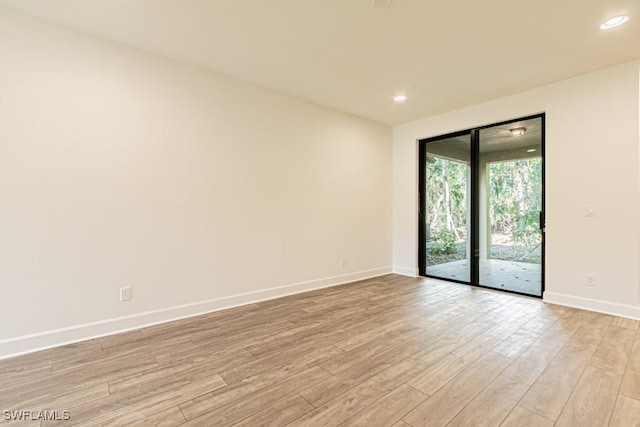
point(309, 213)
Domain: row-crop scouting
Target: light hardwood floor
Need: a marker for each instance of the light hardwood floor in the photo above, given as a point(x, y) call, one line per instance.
point(390, 351)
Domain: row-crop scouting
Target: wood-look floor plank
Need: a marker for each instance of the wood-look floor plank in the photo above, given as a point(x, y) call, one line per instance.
point(166, 378)
point(634, 357)
point(614, 349)
point(388, 329)
point(240, 390)
point(155, 345)
point(389, 409)
point(326, 390)
point(280, 414)
point(592, 331)
point(347, 360)
point(542, 322)
point(530, 363)
point(631, 384)
point(171, 417)
point(567, 324)
point(626, 323)
point(520, 417)
point(440, 373)
point(316, 338)
point(107, 366)
point(592, 401)
point(631, 381)
point(436, 349)
point(553, 387)
point(516, 343)
point(443, 406)
point(117, 408)
point(200, 353)
point(46, 358)
point(305, 355)
point(66, 401)
point(626, 413)
point(76, 379)
point(121, 339)
point(17, 420)
point(34, 398)
point(492, 405)
point(19, 377)
point(341, 406)
point(254, 403)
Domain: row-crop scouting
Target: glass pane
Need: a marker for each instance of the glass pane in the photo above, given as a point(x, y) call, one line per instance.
point(510, 202)
point(447, 212)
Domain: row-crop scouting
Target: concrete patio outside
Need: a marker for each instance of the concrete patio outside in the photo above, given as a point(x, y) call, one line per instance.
point(522, 277)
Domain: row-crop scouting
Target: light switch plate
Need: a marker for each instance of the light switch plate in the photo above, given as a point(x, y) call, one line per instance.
point(125, 294)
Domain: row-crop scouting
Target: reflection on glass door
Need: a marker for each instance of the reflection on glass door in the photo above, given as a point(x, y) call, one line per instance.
point(510, 206)
point(446, 211)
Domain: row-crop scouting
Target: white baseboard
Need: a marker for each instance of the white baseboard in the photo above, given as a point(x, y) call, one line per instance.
point(55, 338)
point(405, 271)
point(612, 308)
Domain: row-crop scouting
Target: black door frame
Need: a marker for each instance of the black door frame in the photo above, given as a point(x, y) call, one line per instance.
point(474, 203)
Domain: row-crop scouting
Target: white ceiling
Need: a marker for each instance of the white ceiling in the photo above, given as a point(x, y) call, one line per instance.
point(353, 56)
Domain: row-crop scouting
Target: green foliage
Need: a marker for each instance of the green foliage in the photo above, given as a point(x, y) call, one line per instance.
point(528, 229)
point(444, 242)
point(447, 194)
point(514, 197)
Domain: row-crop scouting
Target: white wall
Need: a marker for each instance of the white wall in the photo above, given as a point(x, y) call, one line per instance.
point(119, 168)
point(592, 158)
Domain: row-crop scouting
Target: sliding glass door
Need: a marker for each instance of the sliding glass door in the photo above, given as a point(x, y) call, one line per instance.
point(448, 183)
point(510, 184)
point(482, 204)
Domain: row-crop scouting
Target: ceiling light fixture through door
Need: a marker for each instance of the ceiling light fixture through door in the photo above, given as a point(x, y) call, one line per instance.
point(518, 131)
point(614, 22)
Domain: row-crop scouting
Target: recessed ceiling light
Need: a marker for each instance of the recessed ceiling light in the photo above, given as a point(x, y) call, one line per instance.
point(399, 98)
point(531, 150)
point(518, 131)
point(381, 3)
point(614, 22)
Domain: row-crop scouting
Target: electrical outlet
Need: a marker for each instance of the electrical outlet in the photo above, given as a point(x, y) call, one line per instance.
point(590, 279)
point(125, 294)
point(342, 261)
